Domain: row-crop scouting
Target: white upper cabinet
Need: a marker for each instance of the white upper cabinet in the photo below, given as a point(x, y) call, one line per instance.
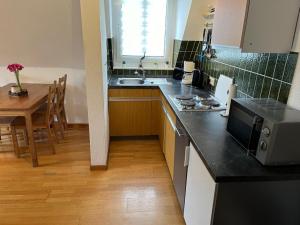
point(256, 25)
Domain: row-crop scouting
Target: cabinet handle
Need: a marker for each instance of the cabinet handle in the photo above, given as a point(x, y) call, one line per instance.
point(186, 156)
point(180, 134)
point(171, 122)
point(132, 99)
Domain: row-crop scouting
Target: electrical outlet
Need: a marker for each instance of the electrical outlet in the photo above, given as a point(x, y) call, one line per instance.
point(212, 81)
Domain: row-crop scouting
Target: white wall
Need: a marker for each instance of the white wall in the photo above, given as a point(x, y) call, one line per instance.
point(46, 37)
point(189, 19)
point(94, 36)
point(195, 22)
point(43, 33)
point(294, 98)
point(182, 12)
point(108, 18)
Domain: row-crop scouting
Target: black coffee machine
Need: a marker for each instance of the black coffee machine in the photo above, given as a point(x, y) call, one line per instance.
point(198, 79)
point(178, 73)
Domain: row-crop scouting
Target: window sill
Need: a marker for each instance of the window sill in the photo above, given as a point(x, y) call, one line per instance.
point(145, 68)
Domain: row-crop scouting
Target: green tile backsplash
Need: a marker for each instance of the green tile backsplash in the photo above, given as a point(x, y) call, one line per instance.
point(265, 75)
point(149, 73)
point(185, 51)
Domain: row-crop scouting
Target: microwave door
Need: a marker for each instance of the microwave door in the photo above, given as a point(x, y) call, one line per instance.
point(255, 134)
point(242, 126)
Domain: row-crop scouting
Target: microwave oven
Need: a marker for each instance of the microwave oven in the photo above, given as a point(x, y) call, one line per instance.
point(267, 129)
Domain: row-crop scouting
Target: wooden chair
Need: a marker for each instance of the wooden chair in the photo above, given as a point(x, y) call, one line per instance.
point(61, 93)
point(5, 123)
point(60, 113)
point(42, 121)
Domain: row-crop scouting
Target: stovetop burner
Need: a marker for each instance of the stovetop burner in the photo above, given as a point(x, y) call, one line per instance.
point(196, 103)
point(185, 97)
point(188, 104)
point(210, 102)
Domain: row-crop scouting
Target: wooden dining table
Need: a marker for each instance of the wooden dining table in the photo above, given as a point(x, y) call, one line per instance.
point(25, 107)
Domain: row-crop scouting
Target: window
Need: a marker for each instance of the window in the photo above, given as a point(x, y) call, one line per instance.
point(140, 26)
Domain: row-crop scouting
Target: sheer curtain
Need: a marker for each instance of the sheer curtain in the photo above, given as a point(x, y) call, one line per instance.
point(143, 27)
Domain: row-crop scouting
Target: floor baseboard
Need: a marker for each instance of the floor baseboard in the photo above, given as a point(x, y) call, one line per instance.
point(101, 167)
point(78, 125)
point(95, 168)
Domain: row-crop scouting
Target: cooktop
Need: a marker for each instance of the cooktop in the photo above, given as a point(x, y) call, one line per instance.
point(196, 103)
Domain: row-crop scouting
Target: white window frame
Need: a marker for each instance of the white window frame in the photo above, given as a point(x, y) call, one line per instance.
point(149, 62)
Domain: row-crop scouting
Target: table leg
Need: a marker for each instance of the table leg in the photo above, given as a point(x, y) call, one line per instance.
point(31, 140)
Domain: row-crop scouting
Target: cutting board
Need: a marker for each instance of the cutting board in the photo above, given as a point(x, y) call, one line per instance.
point(222, 89)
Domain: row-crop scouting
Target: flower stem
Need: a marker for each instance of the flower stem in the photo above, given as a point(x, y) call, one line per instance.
point(18, 80)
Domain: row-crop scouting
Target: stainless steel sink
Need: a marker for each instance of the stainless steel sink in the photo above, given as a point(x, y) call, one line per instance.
point(139, 81)
point(130, 81)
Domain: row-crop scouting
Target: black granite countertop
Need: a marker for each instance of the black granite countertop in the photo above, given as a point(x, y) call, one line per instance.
point(223, 157)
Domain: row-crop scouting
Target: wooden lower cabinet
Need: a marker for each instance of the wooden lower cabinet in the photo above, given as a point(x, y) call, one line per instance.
point(169, 145)
point(143, 112)
point(161, 131)
point(130, 118)
point(169, 135)
point(156, 112)
point(134, 112)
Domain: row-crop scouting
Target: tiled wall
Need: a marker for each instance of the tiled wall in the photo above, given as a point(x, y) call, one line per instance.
point(185, 51)
point(149, 73)
point(182, 51)
point(257, 75)
point(110, 61)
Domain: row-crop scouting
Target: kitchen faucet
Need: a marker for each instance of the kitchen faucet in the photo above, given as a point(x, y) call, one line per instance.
point(141, 68)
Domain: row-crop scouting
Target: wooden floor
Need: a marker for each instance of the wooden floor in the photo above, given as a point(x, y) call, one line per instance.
point(135, 190)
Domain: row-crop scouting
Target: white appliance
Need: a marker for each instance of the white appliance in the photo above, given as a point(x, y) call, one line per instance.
point(189, 67)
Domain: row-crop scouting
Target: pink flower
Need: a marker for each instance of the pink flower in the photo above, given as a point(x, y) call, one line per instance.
point(15, 67)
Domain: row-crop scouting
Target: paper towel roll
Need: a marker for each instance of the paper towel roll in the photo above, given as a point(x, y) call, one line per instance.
point(189, 67)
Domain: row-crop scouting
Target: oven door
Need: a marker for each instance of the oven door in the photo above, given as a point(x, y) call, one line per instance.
point(245, 126)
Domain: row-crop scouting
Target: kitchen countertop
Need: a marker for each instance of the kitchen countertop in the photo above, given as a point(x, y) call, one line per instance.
point(224, 158)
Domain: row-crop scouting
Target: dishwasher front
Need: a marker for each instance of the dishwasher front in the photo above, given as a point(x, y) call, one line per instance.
point(182, 143)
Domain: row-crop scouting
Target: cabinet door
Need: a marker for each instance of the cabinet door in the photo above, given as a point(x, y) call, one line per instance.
point(169, 145)
point(229, 22)
point(169, 136)
point(256, 25)
point(161, 126)
point(156, 112)
point(200, 191)
point(270, 26)
point(134, 112)
point(130, 118)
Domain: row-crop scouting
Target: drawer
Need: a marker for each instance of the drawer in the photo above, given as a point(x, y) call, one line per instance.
point(127, 93)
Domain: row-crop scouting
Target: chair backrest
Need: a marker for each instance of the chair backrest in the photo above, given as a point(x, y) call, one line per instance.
point(61, 92)
point(50, 113)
